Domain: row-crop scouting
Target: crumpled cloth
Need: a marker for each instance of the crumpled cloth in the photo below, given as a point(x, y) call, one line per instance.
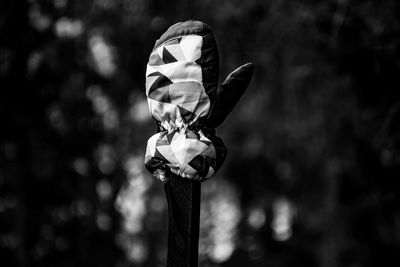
point(183, 96)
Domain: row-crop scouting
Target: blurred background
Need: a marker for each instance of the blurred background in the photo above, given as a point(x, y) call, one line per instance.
point(314, 145)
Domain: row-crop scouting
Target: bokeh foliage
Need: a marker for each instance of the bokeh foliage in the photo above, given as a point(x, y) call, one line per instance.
point(314, 152)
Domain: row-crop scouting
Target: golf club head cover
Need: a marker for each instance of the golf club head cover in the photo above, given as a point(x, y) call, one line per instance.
point(188, 104)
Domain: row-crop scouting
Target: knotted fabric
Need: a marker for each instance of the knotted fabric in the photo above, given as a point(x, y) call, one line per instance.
point(183, 97)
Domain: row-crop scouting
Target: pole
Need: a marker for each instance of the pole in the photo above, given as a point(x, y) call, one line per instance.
point(183, 196)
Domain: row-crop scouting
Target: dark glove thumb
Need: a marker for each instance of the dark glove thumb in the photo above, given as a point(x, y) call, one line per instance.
point(229, 93)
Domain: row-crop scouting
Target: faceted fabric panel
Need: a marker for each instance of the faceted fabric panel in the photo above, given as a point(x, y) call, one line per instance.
point(191, 155)
point(174, 77)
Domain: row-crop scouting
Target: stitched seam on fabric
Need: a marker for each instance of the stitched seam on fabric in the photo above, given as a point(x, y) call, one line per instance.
point(175, 37)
